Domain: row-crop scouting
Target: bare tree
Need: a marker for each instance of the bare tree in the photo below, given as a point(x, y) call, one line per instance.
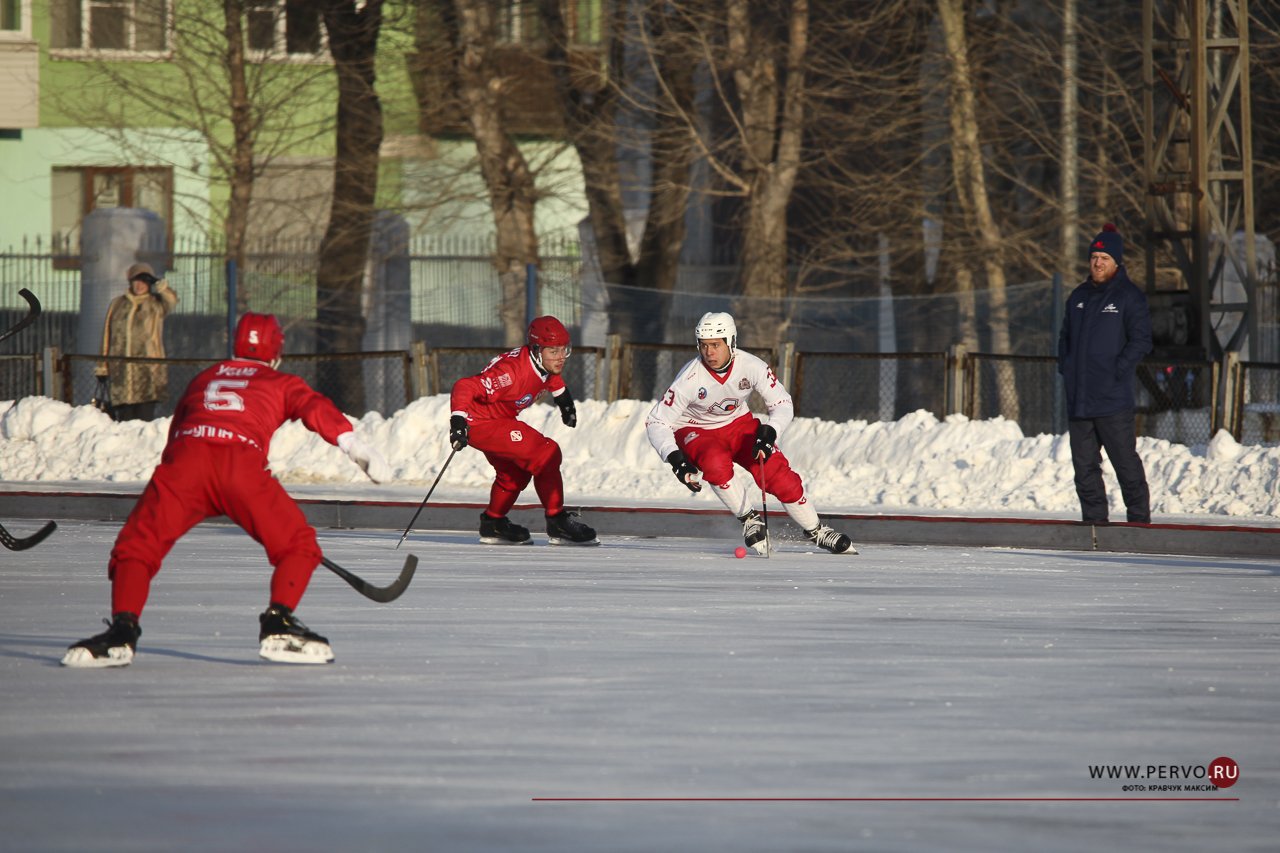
point(246, 110)
point(353, 29)
point(457, 73)
point(595, 89)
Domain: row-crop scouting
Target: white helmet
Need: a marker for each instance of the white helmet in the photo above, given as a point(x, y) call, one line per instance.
point(717, 324)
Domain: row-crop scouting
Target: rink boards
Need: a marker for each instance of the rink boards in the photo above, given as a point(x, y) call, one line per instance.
point(1219, 540)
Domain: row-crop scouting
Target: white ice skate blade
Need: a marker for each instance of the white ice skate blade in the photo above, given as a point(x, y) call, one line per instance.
point(498, 540)
point(82, 658)
point(762, 547)
point(285, 648)
point(560, 540)
point(818, 549)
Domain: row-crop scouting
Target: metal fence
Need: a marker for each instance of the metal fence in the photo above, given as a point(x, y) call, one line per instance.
point(387, 376)
point(858, 356)
point(1257, 404)
point(1184, 402)
point(867, 386)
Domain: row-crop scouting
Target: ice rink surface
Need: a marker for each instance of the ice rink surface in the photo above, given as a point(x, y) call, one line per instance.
point(648, 694)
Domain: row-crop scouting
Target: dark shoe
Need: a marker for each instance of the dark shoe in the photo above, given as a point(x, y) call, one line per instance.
point(500, 531)
point(284, 638)
point(754, 532)
point(113, 647)
point(826, 538)
point(565, 529)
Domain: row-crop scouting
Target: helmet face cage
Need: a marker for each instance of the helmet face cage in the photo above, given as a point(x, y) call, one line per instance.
point(259, 337)
point(547, 332)
point(717, 324)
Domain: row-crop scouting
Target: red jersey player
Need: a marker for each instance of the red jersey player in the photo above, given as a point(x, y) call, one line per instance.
point(215, 463)
point(483, 414)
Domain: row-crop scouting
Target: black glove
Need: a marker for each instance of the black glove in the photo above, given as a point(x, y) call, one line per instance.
point(765, 437)
point(458, 432)
point(568, 413)
point(685, 472)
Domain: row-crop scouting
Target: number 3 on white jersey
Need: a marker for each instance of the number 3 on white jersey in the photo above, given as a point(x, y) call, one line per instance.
point(220, 395)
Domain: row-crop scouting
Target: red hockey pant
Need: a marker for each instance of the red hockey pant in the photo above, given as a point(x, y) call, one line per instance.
point(519, 453)
point(196, 480)
point(713, 452)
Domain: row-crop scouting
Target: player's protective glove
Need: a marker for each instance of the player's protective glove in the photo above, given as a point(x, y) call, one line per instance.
point(765, 437)
point(568, 413)
point(684, 471)
point(366, 456)
point(458, 432)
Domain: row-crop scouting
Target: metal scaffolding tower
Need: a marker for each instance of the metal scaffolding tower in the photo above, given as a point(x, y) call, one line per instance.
point(1201, 261)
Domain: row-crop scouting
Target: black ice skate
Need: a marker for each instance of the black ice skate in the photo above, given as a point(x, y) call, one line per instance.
point(566, 529)
point(113, 647)
point(500, 531)
point(284, 639)
point(754, 532)
point(828, 539)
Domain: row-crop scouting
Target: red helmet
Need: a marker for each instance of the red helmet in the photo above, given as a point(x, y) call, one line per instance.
point(259, 337)
point(548, 332)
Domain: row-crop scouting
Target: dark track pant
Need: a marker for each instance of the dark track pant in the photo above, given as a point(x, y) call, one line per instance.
point(1115, 434)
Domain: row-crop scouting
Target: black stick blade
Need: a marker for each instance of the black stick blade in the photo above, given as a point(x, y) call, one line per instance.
point(14, 544)
point(381, 594)
point(32, 313)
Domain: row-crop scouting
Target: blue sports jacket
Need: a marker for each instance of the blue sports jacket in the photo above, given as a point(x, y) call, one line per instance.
point(1106, 330)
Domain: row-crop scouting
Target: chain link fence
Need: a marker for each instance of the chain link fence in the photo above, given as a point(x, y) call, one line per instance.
point(861, 355)
point(1258, 404)
point(867, 386)
point(387, 376)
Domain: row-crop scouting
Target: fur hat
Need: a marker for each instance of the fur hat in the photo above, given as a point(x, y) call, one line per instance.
point(139, 269)
point(1110, 242)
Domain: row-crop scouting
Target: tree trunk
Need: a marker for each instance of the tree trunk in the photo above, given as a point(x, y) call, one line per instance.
point(971, 189)
point(589, 106)
point(772, 125)
point(242, 129)
point(512, 193)
point(353, 39)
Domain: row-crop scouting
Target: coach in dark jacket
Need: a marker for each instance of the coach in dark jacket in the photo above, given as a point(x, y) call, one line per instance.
point(1106, 331)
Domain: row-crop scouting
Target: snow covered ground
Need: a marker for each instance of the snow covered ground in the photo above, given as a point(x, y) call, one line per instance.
point(916, 464)
point(907, 699)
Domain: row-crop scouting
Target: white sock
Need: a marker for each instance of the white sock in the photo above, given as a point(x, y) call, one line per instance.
point(803, 514)
point(733, 495)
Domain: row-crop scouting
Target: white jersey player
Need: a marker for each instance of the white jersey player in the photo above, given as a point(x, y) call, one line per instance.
point(702, 423)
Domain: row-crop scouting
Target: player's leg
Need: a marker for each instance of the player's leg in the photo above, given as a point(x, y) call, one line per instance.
point(540, 457)
point(1086, 460)
point(170, 505)
point(781, 481)
point(712, 453)
point(1119, 437)
point(252, 498)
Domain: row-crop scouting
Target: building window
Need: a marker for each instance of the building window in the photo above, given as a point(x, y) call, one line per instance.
point(15, 19)
point(79, 190)
point(127, 26)
point(519, 21)
point(277, 28)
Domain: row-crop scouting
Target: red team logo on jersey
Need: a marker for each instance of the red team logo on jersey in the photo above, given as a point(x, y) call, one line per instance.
point(702, 393)
point(516, 435)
